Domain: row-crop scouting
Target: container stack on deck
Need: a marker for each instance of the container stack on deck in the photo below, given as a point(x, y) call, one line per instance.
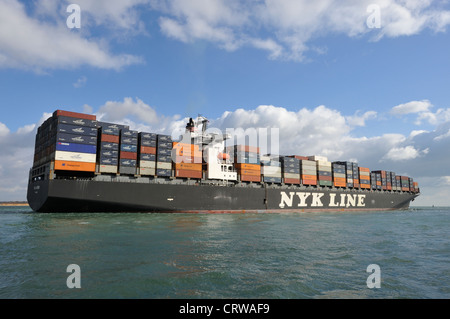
point(164, 155)
point(291, 170)
point(108, 147)
point(271, 170)
point(339, 178)
point(128, 152)
point(69, 140)
point(308, 172)
point(247, 162)
point(364, 177)
point(187, 160)
point(147, 154)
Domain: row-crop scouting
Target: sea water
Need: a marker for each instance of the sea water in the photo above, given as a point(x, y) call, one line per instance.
point(273, 256)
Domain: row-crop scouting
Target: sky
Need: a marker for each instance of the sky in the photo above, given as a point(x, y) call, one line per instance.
point(364, 81)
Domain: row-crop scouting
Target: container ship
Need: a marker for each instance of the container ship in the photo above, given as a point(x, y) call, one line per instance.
point(82, 164)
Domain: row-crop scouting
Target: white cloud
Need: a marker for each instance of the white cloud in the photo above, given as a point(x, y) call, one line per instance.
point(36, 44)
point(442, 136)
point(4, 130)
point(402, 153)
point(360, 120)
point(411, 107)
point(291, 25)
point(137, 114)
point(440, 116)
point(80, 82)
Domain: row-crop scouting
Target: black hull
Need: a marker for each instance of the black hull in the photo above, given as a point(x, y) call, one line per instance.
point(61, 195)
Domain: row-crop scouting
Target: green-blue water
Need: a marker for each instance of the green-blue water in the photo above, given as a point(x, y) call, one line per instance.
point(308, 255)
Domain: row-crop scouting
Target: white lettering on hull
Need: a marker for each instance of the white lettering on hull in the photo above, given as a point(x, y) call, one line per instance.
point(307, 199)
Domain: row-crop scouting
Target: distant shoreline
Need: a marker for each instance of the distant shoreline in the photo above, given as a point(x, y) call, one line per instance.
point(14, 204)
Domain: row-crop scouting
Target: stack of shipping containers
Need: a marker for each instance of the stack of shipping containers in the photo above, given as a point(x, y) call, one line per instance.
point(271, 170)
point(69, 140)
point(147, 154)
point(373, 181)
point(381, 176)
point(339, 179)
point(108, 147)
point(164, 148)
point(308, 172)
point(324, 177)
point(364, 177)
point(348, 167)
point(128, 152)
point(355, 171)
point(247, 162)
point(187, 160)
point(393, 181)
point(290, 169)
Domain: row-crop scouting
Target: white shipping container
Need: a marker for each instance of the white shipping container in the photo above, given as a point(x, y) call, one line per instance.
point(308, 172)
point(269, 170)
point(148, 164)
point(75, 157)
point(291, 175)
point(147, 171)
point(307, 163)
point(278, 175)
point(323, 163)
point(339, 175)
point(163, 165)
point(107, 169)
point(324, 168)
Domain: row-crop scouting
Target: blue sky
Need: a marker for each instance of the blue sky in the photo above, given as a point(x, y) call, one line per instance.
point(333, 86)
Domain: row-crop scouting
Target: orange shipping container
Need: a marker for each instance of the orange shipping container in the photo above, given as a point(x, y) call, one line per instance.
point(188, 173)
point(250, 178)
point(73, 114)
point(74, 166)
point(185, 146)
point(188, 166)
point(292, 180)
point(340, 180)
point(249, 172)
point(340, 184)
point(364, 169)
point(187, 159)
point(309, 182)
point(148, 150)
point(110, 138)
point(128, 155)
point(365, 177)
point(309, 177)
point(252, 167)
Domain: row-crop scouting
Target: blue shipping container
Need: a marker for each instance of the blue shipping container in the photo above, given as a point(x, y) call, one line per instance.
point(109, 146)
point(128, 148)
point(77, 148)
point(109, 161)
point(128, 162)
